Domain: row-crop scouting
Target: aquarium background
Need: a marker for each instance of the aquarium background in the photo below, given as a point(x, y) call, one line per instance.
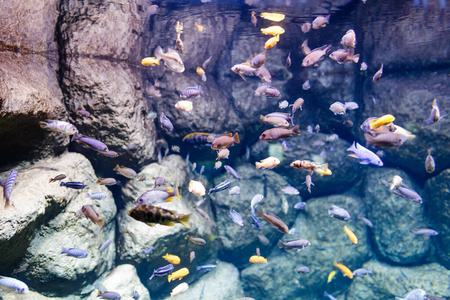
point(57, 57)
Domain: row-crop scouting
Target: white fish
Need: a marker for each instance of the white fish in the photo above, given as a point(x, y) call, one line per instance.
point(255, 201)
point(172, 59)
point(283, 104)
point(13, 285)
point(306, 85)
point(59, 126)
point(235, 190)
point(351, 105)
point(364, 155)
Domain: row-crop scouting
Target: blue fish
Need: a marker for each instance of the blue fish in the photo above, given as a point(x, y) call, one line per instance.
point(206, 267)
point(147, 251)
point(232, 172)
point(97, 196)
point(222, 186)
point(325, 294)
point(256, 223)
point(13, 285)
point(163, 271)
point(109, 295)
point(236, 217)
point(300, 205)
point(8, 185)
point(364, 155)
point(105, 245)
point(75, 252)
point(135, 295)
point(90, 142)
point(73, 185)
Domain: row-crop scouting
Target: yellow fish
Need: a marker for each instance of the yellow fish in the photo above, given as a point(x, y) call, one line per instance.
point(384, 120)
point(201, 73)
point(273, 30)
point(173, 259)
point(322, 170)
point(331, 276)
point(178, 274)
point(256, 259)
point(272, 42)
point(199, 27)
point(344, 270)
point(150, 61)
point(351, 235)
point(272, 16)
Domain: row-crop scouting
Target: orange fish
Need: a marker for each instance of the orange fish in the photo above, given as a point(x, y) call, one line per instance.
point(226, 140)
point(344, 270)
point(351, 235)
point(272, 42)
point(256, 259)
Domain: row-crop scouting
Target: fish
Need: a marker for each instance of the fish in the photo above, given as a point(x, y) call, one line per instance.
point(298, 244)
point(206, 63)
point(297, 105)
point(255, 222)
point(283, 104)
point(320, 21)
point(195, 240)
point(73, 185)
point(235, 190)
point(304, 47)
point(226, 140)
point(223, 153)
point(217, 165)
point(349, 39)
point(272, 92)
point(165, 123)
point(199, 138)
point(351, 235)
point(82, 112)
point(263, 240)
point(366, 221)
point(172, 59)
point(59, 126)
point(362, 272)
point(135, 295)
point(348, 123)
point(346, 271)
point(236, 217)
point(256, 259)
point(279, 133)
point(191, 92)
point(255, 201)
point(201, 73)
point(75, 252)
point(232, 172)
point(149, 61)
point(7, 186)
point(175, 148)
point(338, 213)
point(430, 165)
point(253, 19)
point(178, 42)
point(147, 251)
point(159, 181)
point(108, 295)
point(405, 192)
point(426, 232)
point(263, 74)
point(308, 182)
point(191, 256)
point(267, 163)
point(338, 108)
point(384, 140)
point(197, 188)
point(106, 181)
point(378, 74)
point(273, 30)
point(202, 213)
point(315, 56)
point(179, 274)
point(13, 285)
point(271, 42)
point(132, 236)
point(199, 27)
point(163, 271)
point(109, 153)
point(305, 27)
point(243, 70)
point(173, 259)
point(351, 105)
point(262, 87)
point(182, 287)
point(151, 215)
point(363, 66)
point(89, 142)
point(273, 220)
point(276, 121)
point(124, 171)
point(185, 106)
point(57, 178)
point(272, 16)
point(157, 195)
point(105, 245)
point(220, 187)
point(364, 155)
point(288, 60)
point(258, 60)
point(22, 268)
point(435, 114)
point(300, 205)
point(325, 294)
point(290, 190)
point(331, 276)
point(302, 269)
point(306, 85)
point(417, 294)
point(381, 121)
point(89, 212)
point(344, 55)
point(206, 267)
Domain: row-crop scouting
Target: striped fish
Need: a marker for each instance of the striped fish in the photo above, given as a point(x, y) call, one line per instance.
point(105, 245)
point(59, 126)
point(192, 92)
point(75, 252)
point(13, 285)
point(222, 186)
point(8, 185)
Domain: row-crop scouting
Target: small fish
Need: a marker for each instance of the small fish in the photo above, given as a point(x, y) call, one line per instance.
point(132, 236)
point(362, 272)
point(263, 240)
point(253, 19)
point(308, 182)
point(283, 104)
point(349, 39)
point(206, 63)
point(363, 66)
point(273, 220)
point(124, 171)
point(106, 181)
point(217, 165)
point(175, 148)
point(338, 108)
point(82, 112)
point(272, 16)
point(302, 269)
point(172, 59)
point(430, 165)
point(304, 47)
point(279, 133)
point(173, 259)
point(73, 185)
point(105, 245)
point(381, 121)
point(325, 294)
point(351, 235)
point(276, 121)
point(192, 92)
point(236, 217)
point(232, 172)
point(159, 181)
point(201, 73)
point(298, 244)
point(435, 114)
point(378, 74)
point(297, 105)
point(235, 190)
point(306, 85)
point(89, 212)
point(338, 213)
point(220, 187)
point(263, 74)
point(417, 294)
point(288, 60)
point(305, 27)
point(258, 60)
point(109, 153)
point(108, 295)
point(179, 274)
point(75, 252)
point(223, 141)
point(59, 126)
point(300, 205)
point(13, 285)
point(156, 215)
point(344, 270)
point(191, 256)
point(255, 201)
point(331, 276)
point(182, 287)
point(290, 190)
point(150, 61)
point(262, 87)
point(272, 92)
point(57, 178)
point(206, 267)
point(348, 123)
point(255, 222)
point(185, 106)
point(344, 55)
point(366, 221)
point(196, 240)
point(243, 70)
point(315, 56)
point(135, 295)
point(272, 42)
point(7, 186)
point(21, 268)
point(147, 251)
point(165, 123)
point(272, 30)
point(163, 271)
point(267, 163)
point(424, 231)
point(351, 105)
point(202, 213)
point(199, 27)
point(404, 191)
point(90, 142)
point(320, 21)
point(197, 188)
point(364, 155)
point(256, 259)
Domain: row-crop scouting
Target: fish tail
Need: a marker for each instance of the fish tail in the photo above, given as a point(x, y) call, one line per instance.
point(75, 137)
point(169, 278)
point(184, 220)
point(178, 194)
point(158, 52)
point(429, 151)
point(258, 165)
point(50, 180)
point(236, 138)
point(43, 124)
point(280, 244)
point(259, 212)
point(261, 118)
point(296, 130)
point(355, 58)
point(64, 250)
point(98, 181)
point(116, 168)
point(100, 222)
point(157, 61)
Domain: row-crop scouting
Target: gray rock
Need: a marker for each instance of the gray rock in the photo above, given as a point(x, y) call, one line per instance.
point(123, 280)
point(393, 217)
point(222, 283)
point(436, 195)
point(389, 281)
point(36, 296)
point(329, 243)
point(238, 241)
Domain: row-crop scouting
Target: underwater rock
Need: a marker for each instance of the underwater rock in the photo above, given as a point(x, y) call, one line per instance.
point(43, 221)
point(437, 192)
point(239, 243)
point(222, 283)
point(393, 217)
point(329, 243)
point(345, 170)
point(123, 279)
point(388, 281)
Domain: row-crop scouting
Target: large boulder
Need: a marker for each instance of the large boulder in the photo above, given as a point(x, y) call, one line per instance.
point(329, 243)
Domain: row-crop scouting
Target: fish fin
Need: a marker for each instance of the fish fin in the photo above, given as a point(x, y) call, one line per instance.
point(353, 155)
point(43, 124)
point(236, 138)
point(116, 168)
point(100, 222)
point(51, 179)
point(242, 76)
point(363, 162)
point(280, 244)
point(296, 130)
point(184, 220)
point(258, 165)
point(178, 193)
point(259, 212)
point(169, 278)
point(355, 58)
